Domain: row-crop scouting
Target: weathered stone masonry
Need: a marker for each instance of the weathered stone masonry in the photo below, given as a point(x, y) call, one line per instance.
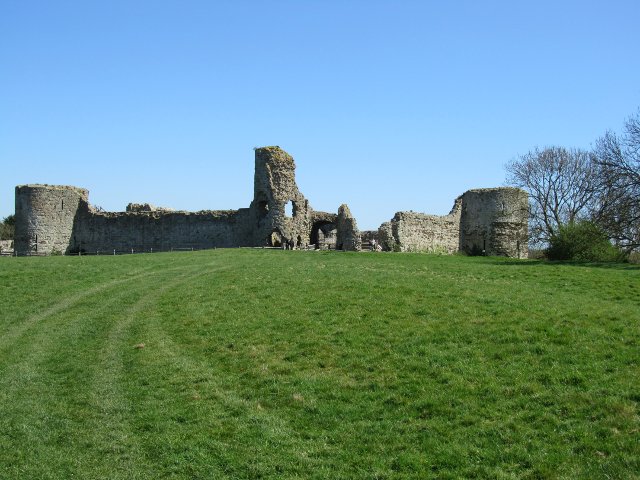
point(60, 219)
point(490, 221)
point(52, 219)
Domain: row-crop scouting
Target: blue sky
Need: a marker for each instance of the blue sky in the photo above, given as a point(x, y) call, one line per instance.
point(385, 105)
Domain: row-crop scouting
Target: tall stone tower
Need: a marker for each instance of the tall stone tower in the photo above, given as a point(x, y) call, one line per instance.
point(280, 211)
point(494, 222)
point(45, 217)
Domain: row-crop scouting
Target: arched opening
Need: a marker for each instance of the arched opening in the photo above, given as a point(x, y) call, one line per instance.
point(290, 209)
point(275, 239)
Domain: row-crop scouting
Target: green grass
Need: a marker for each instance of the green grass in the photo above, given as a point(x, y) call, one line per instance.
point(273, 364)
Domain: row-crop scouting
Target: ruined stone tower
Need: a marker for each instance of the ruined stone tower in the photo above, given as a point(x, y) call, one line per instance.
point(45, 216)
point(281, 212)
point(494, 222)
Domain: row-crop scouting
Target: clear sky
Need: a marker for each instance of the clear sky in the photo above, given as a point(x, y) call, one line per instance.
point(385, 105)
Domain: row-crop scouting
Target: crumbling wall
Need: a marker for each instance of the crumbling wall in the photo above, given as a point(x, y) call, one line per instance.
point(491, 221)
point(324, 230)
point(369, 236)
point(494, 221)
point(386, 238)
point(6, 246)
point(146, 207)
point(348, 235)
point(55, 218)
point(418, 232)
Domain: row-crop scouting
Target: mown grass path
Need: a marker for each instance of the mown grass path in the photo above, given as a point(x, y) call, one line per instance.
point(272, 364)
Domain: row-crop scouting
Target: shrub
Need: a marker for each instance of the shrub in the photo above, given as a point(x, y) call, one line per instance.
point(582, 242)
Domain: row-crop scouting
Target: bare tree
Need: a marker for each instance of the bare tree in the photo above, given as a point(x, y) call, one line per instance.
point(622, 153)
point(562, 185)
point(618, 208)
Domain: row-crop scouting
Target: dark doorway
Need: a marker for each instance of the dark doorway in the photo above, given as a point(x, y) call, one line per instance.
point(263, 208)
point(275, 239)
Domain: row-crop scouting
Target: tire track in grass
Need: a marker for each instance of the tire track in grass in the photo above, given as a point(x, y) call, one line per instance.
point(53, 329)
point(31, 322)
point(41, 381)
point(125, 457)
point(218, 404)
point(40, 330)
point(21, 328)
point(36, 387)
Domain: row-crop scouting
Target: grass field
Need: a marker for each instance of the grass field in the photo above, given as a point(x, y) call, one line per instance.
point(274, 364)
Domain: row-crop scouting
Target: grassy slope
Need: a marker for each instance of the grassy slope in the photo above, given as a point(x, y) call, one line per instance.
point(272, 364)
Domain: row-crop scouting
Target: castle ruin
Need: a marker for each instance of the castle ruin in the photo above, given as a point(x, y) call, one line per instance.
point(487, 221)
point(59, 219)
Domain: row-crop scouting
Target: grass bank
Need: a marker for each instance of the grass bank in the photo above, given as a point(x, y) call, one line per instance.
point(273, 364)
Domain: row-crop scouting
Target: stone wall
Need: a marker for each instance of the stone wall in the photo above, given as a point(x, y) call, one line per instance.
point(418, 232)
point(146, 207)
point(348, 236)
point(53, 219)
point(324, 230)
point(6, 246)
point(146, 231)
point(489, 221)
point(369, 235)
point(385, 237)
point(494, 221)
